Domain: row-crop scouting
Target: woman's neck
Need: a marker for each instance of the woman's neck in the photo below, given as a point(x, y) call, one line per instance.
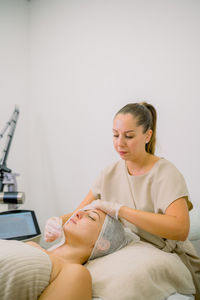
point(142, 165)
point(72, 254)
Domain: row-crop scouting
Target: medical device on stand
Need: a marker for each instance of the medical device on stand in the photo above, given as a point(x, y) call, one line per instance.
point(14, 223)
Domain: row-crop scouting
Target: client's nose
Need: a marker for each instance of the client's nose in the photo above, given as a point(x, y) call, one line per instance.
point(80, 214)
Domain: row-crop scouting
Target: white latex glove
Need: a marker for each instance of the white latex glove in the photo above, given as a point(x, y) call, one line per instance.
point(53, 229)
point(111, 208)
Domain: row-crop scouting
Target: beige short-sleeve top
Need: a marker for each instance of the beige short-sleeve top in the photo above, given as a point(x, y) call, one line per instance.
point(152, 192)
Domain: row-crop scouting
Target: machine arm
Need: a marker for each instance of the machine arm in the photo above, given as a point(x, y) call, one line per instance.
point(3, 166)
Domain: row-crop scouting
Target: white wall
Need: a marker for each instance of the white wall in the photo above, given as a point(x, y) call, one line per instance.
point(88, 59)
point(14, 82)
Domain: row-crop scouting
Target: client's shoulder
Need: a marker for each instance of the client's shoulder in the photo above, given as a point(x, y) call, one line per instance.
point(77, 270)
point(79, 279)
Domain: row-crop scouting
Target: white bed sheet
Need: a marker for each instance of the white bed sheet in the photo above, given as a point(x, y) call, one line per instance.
point(180, 297)
point(172, 297)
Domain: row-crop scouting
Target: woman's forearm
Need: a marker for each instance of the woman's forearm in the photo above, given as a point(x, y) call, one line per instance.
point(171, 227)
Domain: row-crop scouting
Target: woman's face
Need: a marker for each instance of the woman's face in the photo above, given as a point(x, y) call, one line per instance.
point(128, 138)
point(84, 227)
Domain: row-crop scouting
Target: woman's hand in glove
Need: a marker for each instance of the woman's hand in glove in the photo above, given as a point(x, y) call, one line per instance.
point(53, 229)
point(111, 208)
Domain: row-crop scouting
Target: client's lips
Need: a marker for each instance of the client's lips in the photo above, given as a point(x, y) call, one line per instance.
point(122, 152)
point(73, 221)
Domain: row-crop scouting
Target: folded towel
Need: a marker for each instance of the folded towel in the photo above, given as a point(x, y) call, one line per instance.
point(24, 271)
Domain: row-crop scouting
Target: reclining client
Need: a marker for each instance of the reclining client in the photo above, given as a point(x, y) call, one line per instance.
point(89, 233)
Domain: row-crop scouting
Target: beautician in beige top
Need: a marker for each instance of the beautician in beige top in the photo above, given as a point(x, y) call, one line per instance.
point(147, 192)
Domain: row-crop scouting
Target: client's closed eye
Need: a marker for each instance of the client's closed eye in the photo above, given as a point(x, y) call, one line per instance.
point(91, 218)
point(93, 215)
